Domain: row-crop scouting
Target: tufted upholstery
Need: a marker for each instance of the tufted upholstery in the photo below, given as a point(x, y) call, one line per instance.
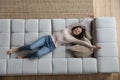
point(19, 32)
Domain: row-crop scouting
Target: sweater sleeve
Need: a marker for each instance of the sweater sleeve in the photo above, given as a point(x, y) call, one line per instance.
point(71, 39)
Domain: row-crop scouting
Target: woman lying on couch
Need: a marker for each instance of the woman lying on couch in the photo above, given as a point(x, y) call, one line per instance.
point(48, 43)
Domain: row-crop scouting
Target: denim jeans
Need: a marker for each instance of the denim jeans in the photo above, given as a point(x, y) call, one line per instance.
point(44, 45)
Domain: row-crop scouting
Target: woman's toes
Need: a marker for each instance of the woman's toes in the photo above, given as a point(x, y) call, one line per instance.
point(98, 47)
point(9, 51)
point(12, 50)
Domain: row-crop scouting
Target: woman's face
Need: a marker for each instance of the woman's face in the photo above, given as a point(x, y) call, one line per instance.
point(77, 31)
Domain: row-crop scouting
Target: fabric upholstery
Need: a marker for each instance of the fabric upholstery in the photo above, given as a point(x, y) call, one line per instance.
point(17, 39)
point(60, 66)
point(72, 68)
point(43, 23)
point(18, 26)
point(108, 64)
point(105, 22)
point(29, 66)
point(58, 24)
point(91, 63)
point(107, 39)
point(4, 38)
point(3, 64)
point(46, 68)
point(31, 26)
point(18, 32)
point(30, 37)
point(104, 36)
point(107, 50)
point(4, 25)
point(14, 67)
point(3, 54)
point(59, 52)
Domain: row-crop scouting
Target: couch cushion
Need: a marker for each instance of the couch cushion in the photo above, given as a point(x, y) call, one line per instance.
point(89, 65)
point(105, 22)
point(74, 65)
point(44, 66)
point(70, 22)
point(31, 26)
point(18, 26)
point(108, 50)
point(17, 35)
point(109, 36)
point(17, 39)
point(3, 53)
point(58, 24)
point(3, 63)
point(4, 25)
point(43, 23)
point(43, 34)
point(59, 52)
point(30, 37)
point(4, 39)
point(29, 66)
point(59, 65)
point(14, 67)
point(108, 64)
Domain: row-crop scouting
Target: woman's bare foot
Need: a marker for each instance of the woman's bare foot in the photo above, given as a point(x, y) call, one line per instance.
point(13, 50)
point(98, 47)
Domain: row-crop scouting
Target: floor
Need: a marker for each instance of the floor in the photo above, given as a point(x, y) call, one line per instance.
point(101, 8)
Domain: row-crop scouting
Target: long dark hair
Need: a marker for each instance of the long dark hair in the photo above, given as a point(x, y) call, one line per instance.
point(81, 34)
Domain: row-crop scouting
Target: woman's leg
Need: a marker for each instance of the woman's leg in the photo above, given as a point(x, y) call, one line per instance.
point(43, 51)
point(38, 43)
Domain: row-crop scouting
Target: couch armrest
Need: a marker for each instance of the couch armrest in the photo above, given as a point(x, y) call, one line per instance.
point(106, 37)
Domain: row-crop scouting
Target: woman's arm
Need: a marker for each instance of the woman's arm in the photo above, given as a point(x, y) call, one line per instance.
point(71, 39)
point(86, 40)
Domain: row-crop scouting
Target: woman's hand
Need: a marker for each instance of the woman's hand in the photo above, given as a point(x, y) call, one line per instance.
point(97, 47)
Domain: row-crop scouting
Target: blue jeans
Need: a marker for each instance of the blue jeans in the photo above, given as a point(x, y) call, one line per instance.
point(45, 44)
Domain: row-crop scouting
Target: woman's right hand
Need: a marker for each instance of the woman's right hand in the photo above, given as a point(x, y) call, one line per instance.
point(97, 47)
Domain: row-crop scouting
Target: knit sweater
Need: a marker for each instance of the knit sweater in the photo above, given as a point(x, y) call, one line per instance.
point(64, 36)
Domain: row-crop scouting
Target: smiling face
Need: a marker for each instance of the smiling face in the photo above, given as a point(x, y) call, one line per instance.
point(76, 31)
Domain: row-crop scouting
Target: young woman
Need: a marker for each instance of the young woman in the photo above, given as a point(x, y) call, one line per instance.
point(48, 43)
